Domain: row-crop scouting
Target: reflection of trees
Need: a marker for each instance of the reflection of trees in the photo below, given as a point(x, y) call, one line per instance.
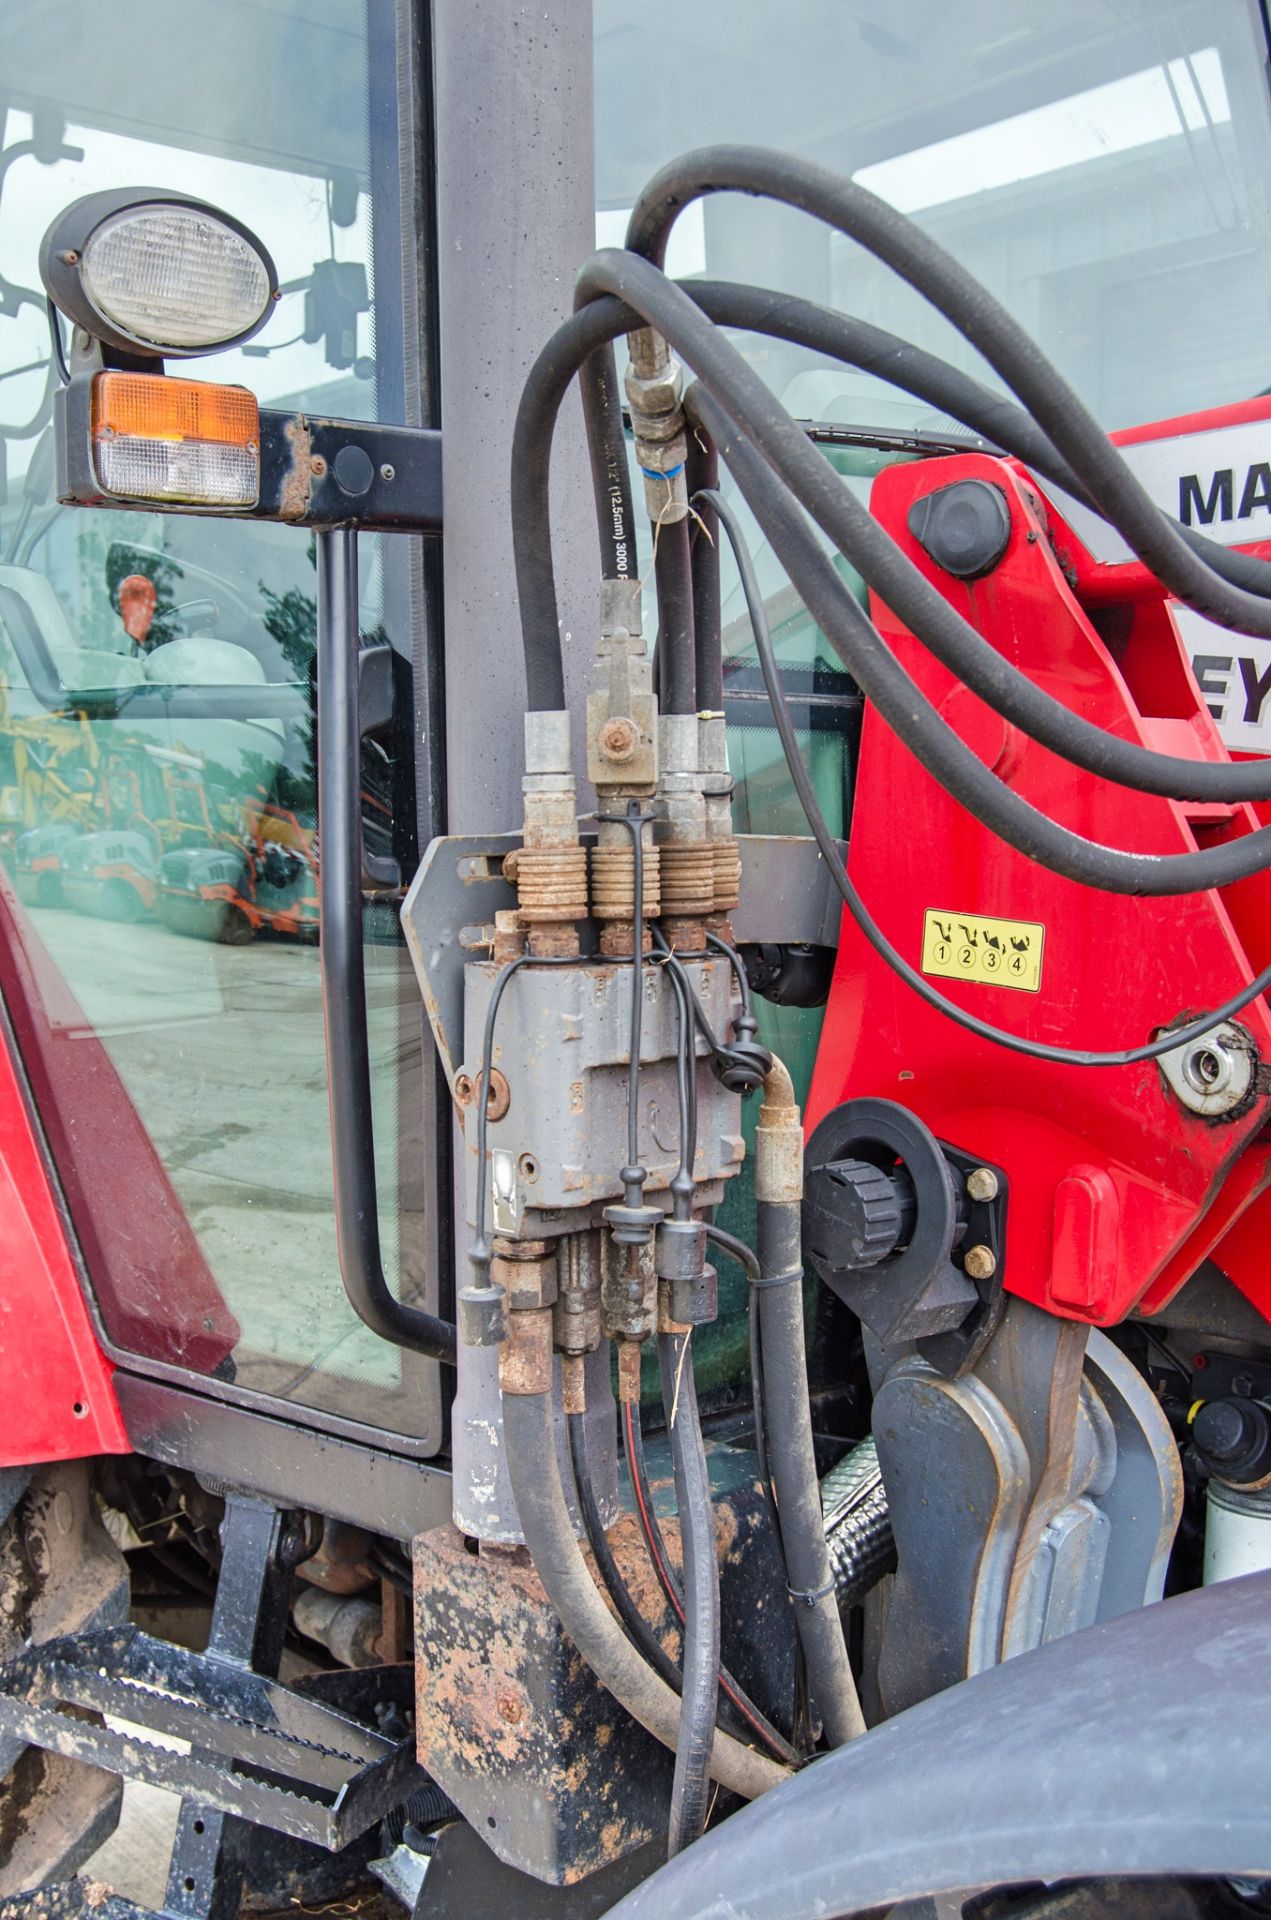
point(291, 619)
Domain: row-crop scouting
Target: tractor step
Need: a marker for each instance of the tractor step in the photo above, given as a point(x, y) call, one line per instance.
point(259, 1750)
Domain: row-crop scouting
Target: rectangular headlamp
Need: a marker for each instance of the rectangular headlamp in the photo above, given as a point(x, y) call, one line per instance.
point(188, 442)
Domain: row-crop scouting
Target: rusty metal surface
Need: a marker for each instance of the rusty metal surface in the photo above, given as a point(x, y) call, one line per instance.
point(556, 1777)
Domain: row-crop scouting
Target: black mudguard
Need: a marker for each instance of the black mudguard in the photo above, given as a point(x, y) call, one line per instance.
point(1138, 1747)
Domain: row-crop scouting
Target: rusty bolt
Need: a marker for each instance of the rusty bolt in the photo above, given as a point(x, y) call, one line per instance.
point(467, 1089)
point(981, 1183)
point(317, 464)
point(618, 739)
point(510, 1709)
point(70, 257)
point(980, 1263)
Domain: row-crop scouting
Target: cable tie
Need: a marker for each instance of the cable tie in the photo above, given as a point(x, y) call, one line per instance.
point(813, 1596)
point(662, 473)
point(778, 1279)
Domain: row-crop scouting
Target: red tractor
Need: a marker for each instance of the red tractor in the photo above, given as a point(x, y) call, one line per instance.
point(696, 1339)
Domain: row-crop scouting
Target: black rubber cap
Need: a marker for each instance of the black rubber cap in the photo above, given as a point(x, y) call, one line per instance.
point(1233, 1438)
point(856, 1214)
point(354, 470)
point(965, 527)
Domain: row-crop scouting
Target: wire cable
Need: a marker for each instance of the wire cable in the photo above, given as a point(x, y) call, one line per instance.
point(1017, 1043)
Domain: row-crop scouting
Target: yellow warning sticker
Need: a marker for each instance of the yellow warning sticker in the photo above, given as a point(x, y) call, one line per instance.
point(970, 946)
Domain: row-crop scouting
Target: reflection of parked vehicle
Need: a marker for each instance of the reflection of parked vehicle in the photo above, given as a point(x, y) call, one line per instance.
point(228, 893)
point(38, 863)
point(109, 874)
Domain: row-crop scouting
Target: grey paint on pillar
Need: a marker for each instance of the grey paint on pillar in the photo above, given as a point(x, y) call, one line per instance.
point(516, 217)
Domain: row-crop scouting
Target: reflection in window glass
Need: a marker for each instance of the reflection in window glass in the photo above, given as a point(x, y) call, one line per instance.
point(158, 806)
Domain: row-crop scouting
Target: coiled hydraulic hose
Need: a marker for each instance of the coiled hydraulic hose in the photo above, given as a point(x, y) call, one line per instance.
point(690, 1790)
point(1016, 1043)
point(916, 258)
point(929, 616)
point(934, 621)
point(558, 1561)
point(728, 380)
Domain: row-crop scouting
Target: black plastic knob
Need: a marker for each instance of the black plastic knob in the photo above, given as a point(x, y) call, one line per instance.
point(859, 1213)
point(965, 527)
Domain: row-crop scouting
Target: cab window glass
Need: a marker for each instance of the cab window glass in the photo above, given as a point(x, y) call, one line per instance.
point(158, 802)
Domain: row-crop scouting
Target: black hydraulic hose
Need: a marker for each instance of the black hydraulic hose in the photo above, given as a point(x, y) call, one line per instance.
point(703, 472)
point(690, 1789)
point(673, 574)
point(610, 472)
point(729, 387)
point(832, 505)
point(889, 357)
point(935, 744)
point(788, 1419)
point(941, 629)
point(873, 933)
point(668, 1580)
point(918, 259)
point(343, 968)
point(545, 388)
point(640, 1630)
point(559, 1564)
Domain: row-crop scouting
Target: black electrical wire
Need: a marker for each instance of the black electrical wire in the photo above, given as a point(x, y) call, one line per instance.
point(664, 1568)
point(932, 619)
point(610, 472)
point(748, 1261)
point(918, 259)
point(634, 1175)
point(739, 1064)
point(481, 1253)
point(639, 1629)
point(1034, 1049)
point(729, 387)
point(681, 1184)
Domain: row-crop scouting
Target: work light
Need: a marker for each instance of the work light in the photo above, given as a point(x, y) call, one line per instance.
point(149, 276)
point(157, 274)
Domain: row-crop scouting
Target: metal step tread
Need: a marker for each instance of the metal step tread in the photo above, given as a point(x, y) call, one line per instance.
point(260, 1750)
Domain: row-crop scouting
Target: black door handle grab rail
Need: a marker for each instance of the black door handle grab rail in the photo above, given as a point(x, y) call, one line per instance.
point(343, 966)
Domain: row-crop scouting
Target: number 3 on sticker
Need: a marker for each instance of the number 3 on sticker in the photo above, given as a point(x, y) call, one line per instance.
point(991, 952)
